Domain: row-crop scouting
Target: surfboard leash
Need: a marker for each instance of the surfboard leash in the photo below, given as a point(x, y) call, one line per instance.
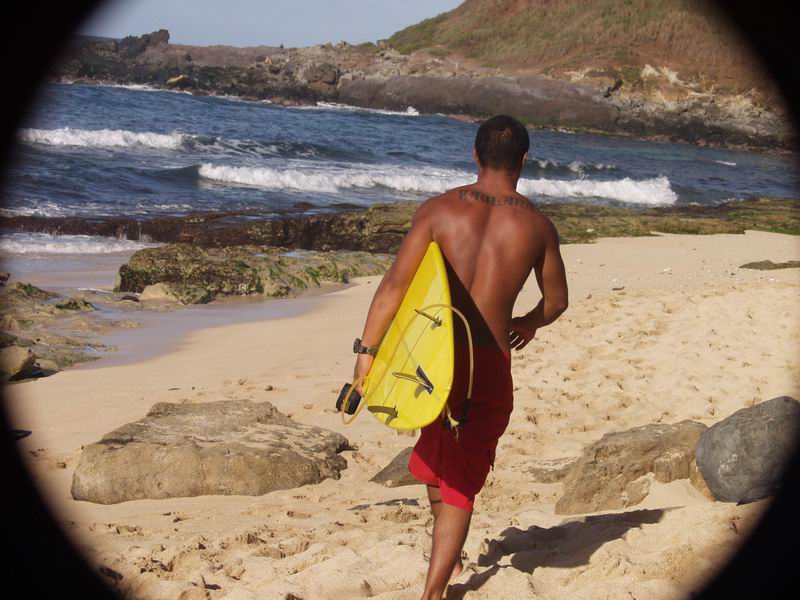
point(346, 400)
point(450, 422)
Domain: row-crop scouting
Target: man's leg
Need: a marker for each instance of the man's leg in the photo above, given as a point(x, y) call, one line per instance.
point(435, 498)
point(450, 528)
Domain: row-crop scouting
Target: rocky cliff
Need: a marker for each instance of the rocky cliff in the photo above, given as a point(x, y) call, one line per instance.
point(649, 102)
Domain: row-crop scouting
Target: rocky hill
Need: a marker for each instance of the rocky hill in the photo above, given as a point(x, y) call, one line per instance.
point(668, 69)
point(690, 38)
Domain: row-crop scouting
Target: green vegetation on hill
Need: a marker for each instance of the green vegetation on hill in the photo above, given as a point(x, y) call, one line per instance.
point(620, 36)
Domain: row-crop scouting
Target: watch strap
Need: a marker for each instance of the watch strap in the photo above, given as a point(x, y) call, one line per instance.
point(360, 348)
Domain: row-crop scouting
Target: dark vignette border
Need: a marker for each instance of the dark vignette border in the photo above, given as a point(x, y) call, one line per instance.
point(39, 561)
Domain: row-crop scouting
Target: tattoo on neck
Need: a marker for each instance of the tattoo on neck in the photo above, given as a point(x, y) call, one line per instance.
point(493, 201)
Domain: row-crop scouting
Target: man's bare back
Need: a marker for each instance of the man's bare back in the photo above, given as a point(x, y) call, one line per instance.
point(492, 239)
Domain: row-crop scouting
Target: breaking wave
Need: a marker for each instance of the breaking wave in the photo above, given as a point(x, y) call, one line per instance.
point(653, 192)
point(46, 243)
point(121, 138)
point(656, 191)
point(408, 112)
point(331, 181)
point(101, 138)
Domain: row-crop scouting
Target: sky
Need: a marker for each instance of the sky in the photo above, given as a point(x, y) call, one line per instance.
point(264, 22)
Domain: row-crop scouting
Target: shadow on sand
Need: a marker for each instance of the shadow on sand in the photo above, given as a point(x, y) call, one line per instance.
point(567, 545)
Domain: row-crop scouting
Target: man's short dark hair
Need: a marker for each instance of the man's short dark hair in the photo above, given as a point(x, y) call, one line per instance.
point(501, 143)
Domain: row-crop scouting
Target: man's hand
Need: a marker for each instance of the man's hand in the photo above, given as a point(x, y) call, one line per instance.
point(522, 332)
point(363, 364)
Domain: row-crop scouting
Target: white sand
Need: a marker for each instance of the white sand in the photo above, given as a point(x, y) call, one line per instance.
point(691, 336)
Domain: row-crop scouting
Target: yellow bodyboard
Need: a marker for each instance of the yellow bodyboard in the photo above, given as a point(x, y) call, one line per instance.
point(409, 382)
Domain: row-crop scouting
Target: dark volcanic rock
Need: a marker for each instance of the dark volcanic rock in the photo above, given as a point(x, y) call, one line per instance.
point(537, 101)
point(380, 228)
point(233, 447)
point(743, 456)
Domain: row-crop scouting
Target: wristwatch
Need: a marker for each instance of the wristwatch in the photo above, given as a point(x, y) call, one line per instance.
point(359, 348)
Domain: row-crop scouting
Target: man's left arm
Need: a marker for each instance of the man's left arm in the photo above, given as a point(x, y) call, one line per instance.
point(394, 284)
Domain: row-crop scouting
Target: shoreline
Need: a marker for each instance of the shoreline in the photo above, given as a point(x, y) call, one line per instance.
point(379, 227)
point(178, 324)
point(320, 104)
point(161, 327)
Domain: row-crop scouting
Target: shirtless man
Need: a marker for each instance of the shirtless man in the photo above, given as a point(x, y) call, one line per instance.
point(491, 237)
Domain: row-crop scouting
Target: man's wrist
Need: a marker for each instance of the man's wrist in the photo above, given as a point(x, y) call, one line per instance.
point(359, 348)
point(532, 320)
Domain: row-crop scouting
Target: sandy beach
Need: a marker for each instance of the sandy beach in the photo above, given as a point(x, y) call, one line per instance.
point(659, 330)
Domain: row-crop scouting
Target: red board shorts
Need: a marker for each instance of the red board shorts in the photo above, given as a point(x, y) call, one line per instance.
point(459, 465)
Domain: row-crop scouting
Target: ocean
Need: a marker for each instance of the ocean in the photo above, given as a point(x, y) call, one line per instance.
point(93, 151)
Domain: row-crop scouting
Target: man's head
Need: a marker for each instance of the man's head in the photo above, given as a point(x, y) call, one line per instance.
point(502, 144)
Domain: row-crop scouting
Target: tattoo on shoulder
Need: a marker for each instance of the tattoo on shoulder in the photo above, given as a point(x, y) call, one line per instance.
point(494, 201)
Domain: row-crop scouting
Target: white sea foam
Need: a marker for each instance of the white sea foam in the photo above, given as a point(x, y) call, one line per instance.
point(146, 207)
point(45, 243)
point(655, 191)
point(726, 163)
point(576, 166)
point(143, 87)
point(102, 138)
point(332, 180)
point(39, 209)
point(579, 166)
point(545, 163)
point(408, 112)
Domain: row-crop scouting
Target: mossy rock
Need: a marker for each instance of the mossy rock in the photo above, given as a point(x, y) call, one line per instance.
point(196, 275)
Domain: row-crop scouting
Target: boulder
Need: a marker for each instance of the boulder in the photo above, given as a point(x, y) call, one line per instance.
point(229, 447)
point(611, 472)
point(29, 290)
point(697, 481)
point(75, 304)
point(768, 265)
point(16, 362)
point(179, 81)
point(47, 366)
point(396, 473)
point(174, 293)
point(324, 73)
point(7, 339)
point(132, 46)
point(194, 275)
point(550, 471)
point(742, 457)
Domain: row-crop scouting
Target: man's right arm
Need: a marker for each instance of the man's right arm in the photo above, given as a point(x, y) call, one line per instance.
point(552, 279)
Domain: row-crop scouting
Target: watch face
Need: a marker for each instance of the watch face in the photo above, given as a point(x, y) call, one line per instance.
point(356, 345)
